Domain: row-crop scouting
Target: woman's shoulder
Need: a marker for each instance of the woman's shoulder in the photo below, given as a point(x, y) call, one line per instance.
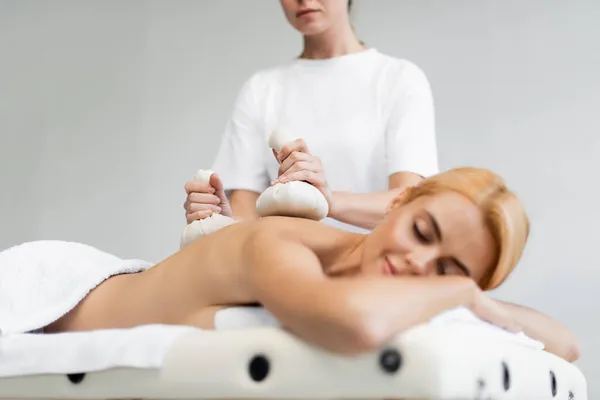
point(307, 236)
point(282, 224)
point(397, 68)
point(307, 231)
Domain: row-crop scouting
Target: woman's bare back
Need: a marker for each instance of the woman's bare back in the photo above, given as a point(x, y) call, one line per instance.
point(190, 286)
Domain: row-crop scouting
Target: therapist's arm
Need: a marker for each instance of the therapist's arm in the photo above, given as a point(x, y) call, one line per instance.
point(366, 210)
point(557, 339)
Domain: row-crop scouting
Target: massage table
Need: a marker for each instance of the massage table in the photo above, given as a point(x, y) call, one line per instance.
point(429, 361)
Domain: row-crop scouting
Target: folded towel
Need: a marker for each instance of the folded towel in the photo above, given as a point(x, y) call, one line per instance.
point(244, 318)
point(43, 280)
point(471, 325)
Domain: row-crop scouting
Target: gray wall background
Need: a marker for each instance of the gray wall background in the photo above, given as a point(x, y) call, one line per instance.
point(108, 107)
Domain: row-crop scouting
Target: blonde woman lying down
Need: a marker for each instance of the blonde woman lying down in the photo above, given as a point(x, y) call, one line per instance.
point(441, 245)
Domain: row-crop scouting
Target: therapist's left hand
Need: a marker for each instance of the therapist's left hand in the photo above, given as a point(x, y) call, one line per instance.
point(298, 164)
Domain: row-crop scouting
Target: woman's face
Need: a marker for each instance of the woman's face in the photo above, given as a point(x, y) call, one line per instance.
point(312, 17)
point(443, 234)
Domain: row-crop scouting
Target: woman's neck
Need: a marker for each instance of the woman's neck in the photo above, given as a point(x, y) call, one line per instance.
point(348, 259)
point(333, 43)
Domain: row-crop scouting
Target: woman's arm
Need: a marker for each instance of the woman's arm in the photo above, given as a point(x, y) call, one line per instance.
point(342, 315)
point(367, 209)
point(557, 338)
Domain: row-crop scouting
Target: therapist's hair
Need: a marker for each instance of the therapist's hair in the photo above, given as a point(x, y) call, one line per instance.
point(504, 214)
point(354, 30)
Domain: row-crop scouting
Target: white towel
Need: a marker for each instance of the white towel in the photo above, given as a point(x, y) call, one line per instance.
point(474, 327)
point(43, 280)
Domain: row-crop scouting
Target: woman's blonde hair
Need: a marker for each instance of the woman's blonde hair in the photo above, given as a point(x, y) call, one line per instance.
point(504, 214)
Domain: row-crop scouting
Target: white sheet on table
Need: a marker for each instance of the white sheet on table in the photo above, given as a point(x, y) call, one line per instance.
point(146, 346)
point(73, 352)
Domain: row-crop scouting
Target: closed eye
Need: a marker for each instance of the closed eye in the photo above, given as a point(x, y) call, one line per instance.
point(441, 268)
point(418, 234)
point(452, 267)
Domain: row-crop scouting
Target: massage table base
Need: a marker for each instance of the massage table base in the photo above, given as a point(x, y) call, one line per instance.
point(423, 363)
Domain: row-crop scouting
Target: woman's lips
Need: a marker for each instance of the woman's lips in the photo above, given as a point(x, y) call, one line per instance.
point(304, 13)
point(388, 268)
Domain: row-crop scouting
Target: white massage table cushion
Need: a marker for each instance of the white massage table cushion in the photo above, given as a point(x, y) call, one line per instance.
point(426, 362)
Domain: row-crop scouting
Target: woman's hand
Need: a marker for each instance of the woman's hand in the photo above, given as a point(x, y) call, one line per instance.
point(205, 198)
point(493, 312)
point(298, 164)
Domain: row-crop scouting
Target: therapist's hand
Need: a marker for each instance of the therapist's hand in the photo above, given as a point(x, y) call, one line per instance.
point(204, 198)
point(298, 164)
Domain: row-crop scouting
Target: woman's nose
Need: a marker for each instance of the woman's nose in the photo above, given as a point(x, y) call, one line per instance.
point(419, 261)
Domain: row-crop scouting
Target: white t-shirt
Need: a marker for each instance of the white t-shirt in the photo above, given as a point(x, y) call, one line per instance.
point(366, 115)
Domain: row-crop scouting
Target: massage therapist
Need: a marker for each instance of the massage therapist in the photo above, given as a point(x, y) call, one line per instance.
point(365, 119)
